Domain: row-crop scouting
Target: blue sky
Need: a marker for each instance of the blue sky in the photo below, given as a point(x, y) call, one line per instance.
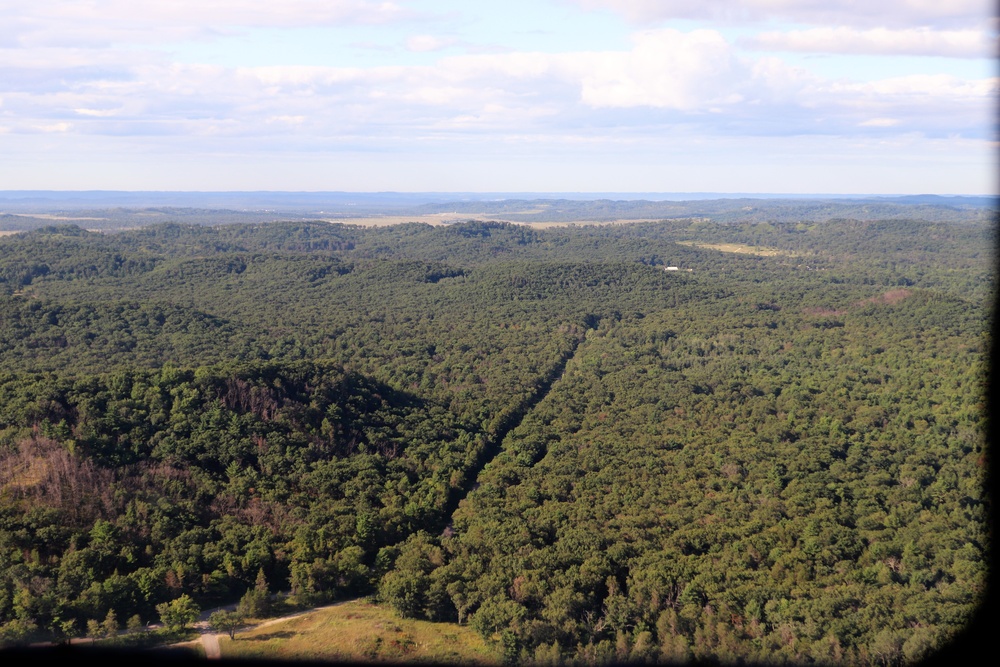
point(542, 95)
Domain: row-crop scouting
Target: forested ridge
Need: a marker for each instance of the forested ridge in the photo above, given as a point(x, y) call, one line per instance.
point(773, 455)
point(128, 210)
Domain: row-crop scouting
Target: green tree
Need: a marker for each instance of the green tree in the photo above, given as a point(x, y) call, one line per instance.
point(134, 624)
point(179, 613)
point(110, 626)
point(226, 621)
point(256, 602)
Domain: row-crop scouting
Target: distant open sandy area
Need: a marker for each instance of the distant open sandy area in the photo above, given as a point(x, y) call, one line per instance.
point(49, 216)
point(450, 218)
point(387, 220)
point(740, 248)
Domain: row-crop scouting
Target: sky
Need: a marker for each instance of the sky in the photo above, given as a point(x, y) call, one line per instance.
point(768, 96)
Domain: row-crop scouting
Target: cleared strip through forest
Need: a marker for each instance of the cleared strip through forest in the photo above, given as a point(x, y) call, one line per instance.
point(509, 421)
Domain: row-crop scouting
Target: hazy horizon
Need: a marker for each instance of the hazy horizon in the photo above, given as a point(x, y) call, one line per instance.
point(509, 194)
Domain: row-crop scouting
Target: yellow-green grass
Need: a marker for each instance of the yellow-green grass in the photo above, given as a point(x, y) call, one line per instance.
point(739, 248)
point(358, 631)
point(191, 649)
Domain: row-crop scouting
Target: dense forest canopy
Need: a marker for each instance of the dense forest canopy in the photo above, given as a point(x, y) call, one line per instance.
point(773, 452)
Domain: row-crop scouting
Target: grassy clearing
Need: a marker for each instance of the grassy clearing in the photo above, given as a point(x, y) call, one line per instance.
point(188, 650)
point(360, 631)
point(740, 248)
point(388, 220)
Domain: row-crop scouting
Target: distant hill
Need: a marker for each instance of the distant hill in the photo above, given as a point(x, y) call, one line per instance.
point(956, 209)
point(25, 210)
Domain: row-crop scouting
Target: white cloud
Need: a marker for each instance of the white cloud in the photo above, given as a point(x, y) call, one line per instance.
point(424, 43)
point(933, 105)
point(669, 83)
point(46, 58)
point(97, 113)
point(879, 122)
point(290, 120)
point(885, 13)
point(879, 41)
point(54, 127)
point(217, 12)
point(669, 69)
point(102, 22)
point(63, 88)
point(923, 86)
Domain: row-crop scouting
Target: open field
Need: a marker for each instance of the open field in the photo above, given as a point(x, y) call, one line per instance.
point(389, 220)
point(581, 223)
point(360, 631)
point(451, 218)
point(740, 248)
point(61, 218)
